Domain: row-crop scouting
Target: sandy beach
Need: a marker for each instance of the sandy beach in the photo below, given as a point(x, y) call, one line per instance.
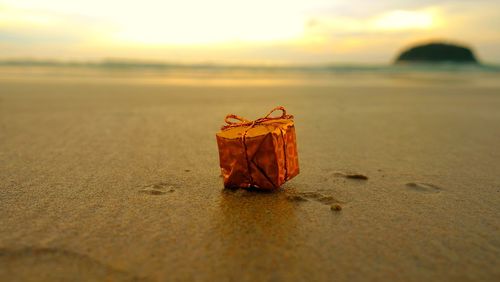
point(114, 179)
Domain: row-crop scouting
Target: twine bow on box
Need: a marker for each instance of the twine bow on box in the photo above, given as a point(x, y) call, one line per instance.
point(245, 122)
point(265, 160)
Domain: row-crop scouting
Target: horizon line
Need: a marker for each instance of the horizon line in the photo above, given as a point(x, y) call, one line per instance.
point(133, 62)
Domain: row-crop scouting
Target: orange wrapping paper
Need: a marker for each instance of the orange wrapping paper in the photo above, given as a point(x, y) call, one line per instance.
point(260, 153)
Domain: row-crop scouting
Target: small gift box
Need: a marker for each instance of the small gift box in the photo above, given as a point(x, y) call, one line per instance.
point(260, 153)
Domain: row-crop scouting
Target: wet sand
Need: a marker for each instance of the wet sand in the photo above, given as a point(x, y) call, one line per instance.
point(115, 180)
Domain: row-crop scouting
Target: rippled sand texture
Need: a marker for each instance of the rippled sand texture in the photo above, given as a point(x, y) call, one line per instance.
point(118, 181)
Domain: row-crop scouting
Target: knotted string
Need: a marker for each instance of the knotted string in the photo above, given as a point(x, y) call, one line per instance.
point(246, 122)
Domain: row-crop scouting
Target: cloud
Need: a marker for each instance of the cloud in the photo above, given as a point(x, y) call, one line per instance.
point(231, 30)
point(33, 26)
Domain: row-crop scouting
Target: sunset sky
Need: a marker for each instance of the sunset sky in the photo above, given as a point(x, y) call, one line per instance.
point(235, 31)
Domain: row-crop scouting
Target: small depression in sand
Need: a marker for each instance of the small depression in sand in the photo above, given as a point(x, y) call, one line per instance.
point(334, 203)
point(160, 188)
point(351, 175)
point(423, 187)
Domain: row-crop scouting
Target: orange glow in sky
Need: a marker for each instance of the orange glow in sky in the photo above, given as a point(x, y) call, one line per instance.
point(275, 31)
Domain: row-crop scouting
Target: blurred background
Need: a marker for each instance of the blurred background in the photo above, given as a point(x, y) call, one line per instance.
point(275, 32)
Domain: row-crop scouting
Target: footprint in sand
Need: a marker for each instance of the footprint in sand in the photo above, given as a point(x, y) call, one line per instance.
point(160, 188)
point(423, 187)
point(351, 175)
point(296, 198)
point(331, 201)
point(53, 264)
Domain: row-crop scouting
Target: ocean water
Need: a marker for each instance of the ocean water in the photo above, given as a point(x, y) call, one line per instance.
point(221, 74)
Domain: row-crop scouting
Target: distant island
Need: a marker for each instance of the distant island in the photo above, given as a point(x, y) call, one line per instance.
point(437, 52)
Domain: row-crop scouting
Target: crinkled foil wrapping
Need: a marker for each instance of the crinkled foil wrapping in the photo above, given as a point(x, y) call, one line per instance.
point(261, 156)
